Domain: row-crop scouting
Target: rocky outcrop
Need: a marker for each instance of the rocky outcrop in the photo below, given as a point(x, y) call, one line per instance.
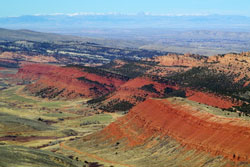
point(236, 64)
point(188, 60)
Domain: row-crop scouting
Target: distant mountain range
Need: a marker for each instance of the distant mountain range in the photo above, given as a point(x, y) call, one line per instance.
point(80, 21)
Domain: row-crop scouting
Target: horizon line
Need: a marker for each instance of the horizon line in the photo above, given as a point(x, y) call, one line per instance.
point(124, 14)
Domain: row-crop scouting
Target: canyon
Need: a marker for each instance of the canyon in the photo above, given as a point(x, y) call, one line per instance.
point(169, 110)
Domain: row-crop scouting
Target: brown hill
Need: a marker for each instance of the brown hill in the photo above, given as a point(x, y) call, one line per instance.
point(188, 60)
point(234, 64)
point(26, 57)
point(237, 64)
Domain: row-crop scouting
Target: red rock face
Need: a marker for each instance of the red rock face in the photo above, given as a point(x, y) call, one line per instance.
point(180, 60)
point(211, 99)
point(62, 80)
point(186, 124)
point(131, 90)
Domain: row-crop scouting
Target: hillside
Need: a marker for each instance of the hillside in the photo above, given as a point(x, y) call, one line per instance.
point(172, 131)
point(21, 156)
point(16, 35)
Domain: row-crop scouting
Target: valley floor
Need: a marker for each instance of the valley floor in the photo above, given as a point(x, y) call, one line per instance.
point(42, 124)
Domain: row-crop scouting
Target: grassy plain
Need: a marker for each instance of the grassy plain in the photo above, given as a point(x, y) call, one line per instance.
point(31, 129)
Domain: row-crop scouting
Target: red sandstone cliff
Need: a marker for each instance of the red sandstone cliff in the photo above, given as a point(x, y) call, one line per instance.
point(188, 124)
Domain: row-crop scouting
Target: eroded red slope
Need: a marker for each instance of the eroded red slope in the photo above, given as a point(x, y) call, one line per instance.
point(188, 124)
point(211, 99)
point(52, 80)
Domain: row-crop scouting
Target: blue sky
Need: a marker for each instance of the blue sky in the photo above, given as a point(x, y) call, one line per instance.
point(30, 7)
